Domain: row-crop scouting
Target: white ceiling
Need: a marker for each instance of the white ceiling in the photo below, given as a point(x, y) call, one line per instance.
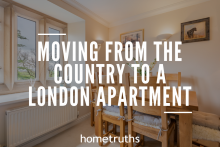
point(51, 9)
point(115, 12)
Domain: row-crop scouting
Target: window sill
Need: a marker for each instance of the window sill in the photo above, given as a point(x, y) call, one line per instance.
point(18, 97)
point(17, 88)
point(20, 87)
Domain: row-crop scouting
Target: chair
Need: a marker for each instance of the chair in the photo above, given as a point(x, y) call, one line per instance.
point(105, 114)
point(173, 77)
point(92, 90)
point(206, 129)
point(161, 131)
point(92, 87)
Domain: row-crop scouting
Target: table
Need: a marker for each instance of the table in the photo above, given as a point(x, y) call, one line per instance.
point(185, 120)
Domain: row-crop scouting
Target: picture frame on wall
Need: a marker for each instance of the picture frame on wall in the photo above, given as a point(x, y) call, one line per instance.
point(133, 36)
point(195, 31)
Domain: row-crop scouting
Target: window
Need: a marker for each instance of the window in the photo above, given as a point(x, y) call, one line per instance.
point(22, 27)
point(51, 29)
point(53, 38)
point(26, 49)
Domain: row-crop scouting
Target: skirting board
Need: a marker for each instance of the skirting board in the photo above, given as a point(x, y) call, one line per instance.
point(45, 137)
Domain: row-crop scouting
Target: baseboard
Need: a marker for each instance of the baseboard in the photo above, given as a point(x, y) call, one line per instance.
point(47, 136)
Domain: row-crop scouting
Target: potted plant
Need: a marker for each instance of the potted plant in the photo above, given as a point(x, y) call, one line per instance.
point(139, 69)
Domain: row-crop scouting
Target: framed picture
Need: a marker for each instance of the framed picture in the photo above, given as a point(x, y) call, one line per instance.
point(134, 36)
point(194, 31)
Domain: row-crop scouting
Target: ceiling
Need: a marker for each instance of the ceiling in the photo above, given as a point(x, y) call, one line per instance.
point(50, 9)
point(116, 12)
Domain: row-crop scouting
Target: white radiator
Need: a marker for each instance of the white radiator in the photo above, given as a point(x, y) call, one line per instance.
point(27, 123)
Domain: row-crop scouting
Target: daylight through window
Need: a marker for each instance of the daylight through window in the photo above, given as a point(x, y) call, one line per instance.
point(53, 38)
point(26, 49)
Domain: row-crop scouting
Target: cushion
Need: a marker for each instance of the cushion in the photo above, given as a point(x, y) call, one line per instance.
point(205, 133)
point(113, 110)
point(138, 117)
point(206, 120)
point(148, 120)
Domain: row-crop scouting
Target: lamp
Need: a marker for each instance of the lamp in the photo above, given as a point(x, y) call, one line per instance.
point(164, 37)
point(99, 42)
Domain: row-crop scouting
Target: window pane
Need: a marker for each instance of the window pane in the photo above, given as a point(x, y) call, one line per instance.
point(26, 49)
point(53, 38)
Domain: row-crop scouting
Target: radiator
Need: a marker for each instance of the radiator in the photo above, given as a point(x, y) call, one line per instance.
point(25, 124)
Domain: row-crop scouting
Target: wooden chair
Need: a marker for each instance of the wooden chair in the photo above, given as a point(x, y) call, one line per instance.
point(116, 120)
point(163, 132)
point(173, 77)
point(204, 143)
point(92, 87)
point(207, 123)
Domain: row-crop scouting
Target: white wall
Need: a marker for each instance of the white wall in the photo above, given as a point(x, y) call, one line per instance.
point(2, 45)
point(76, 32)
point(93, 31)
point(200, 66)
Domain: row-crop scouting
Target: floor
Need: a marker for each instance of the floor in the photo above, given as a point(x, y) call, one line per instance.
point(71, 138)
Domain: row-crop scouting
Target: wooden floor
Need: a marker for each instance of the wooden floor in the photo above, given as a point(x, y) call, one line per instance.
point(71, 138)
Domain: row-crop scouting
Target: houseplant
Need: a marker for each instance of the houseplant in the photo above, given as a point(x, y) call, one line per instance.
point(139, 69)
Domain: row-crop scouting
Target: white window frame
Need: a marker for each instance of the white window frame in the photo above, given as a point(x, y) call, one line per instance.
point(48, 25)
point(15, 51)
